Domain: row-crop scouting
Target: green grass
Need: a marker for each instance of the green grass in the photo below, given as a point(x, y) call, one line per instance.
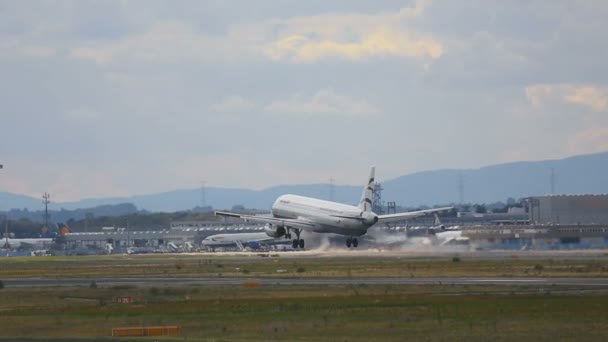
point(311, 313)
point(305, 313)
point(254, 266)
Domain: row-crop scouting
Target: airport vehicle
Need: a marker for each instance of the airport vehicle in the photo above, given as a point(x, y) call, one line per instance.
point(298, 213)
point(240, 241)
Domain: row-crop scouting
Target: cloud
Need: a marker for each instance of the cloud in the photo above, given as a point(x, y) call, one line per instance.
point(593, 97)
point(383, 42)
point(233, 104)
point(323, 103)
point(306, 39)
point(16, 47)
point(165, 42)
point(590, 140)
point(539, 93)
point(354, 37)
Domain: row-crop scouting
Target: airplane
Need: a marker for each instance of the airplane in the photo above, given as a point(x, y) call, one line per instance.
point(297, 213)
point(10, 243)
point(31, 243)
point(438, 234)
point(240, 240)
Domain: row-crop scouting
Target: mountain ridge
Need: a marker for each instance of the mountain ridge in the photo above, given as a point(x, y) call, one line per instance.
point(573, 175)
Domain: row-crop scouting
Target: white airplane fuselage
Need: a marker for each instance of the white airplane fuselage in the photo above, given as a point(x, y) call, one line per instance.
point(253, 240)
point(326, 216)
point(222, 240)
point(25, 243)
point(292, 213)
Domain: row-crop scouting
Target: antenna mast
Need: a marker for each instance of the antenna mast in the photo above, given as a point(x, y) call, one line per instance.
point(46, 200)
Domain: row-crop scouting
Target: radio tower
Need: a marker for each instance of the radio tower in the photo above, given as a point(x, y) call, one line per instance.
point(377, 199)
point(46, 200)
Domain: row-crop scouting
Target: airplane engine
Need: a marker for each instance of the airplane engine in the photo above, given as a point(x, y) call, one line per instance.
point(274, 231)
point(369, 218)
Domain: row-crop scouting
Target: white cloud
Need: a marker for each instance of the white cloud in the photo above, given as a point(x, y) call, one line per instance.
point(351, 36)
point(166, 42)
point(233, 104)
point(539, 93)
point(323, 103)
point(301, 48)
point(16, 47)
point(593, 97)
point(297, 39)
point(590, 140)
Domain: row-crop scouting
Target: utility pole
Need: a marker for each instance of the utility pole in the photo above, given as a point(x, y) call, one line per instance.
point(552, 180)
point(203, 195)
point(461, 188)
point(46, 200)
point(6, 229)
point(87, 217)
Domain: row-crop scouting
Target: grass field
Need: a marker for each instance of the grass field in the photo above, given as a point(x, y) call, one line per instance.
point(256, 266)
point(306, 313)
point(344, 313)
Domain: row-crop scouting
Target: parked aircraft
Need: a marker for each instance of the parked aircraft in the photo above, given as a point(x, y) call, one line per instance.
point(8, 242)
point(240, 241)
point(292, 213)
point(37, 243)
point(438, 234)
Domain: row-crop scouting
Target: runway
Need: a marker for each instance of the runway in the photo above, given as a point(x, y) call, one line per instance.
point(143, 282)
point(430, 253)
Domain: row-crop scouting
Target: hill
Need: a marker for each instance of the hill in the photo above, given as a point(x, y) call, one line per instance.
point(579, 174)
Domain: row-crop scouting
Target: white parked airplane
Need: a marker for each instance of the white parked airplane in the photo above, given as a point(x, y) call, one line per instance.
point(297, 213)
point(25, 243)
point(240, 240)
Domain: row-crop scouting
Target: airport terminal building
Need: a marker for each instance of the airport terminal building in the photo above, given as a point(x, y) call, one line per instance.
point(568, 209)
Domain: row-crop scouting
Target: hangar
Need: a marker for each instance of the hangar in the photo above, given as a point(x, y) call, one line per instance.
point(568, 209)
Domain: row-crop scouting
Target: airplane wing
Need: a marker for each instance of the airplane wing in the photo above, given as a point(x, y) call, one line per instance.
point(408, 215)
point(291, 223)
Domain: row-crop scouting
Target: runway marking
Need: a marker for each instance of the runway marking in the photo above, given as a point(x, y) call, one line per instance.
point(509, 280)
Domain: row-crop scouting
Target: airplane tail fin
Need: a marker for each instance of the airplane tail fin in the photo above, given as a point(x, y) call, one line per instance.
point(63, 228)
point(365, 203)
point(437, 220)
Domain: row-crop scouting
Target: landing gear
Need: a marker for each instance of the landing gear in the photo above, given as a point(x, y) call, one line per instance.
point(297, 242)
point(352, 242)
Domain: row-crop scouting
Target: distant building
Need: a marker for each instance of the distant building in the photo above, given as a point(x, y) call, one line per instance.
point(568, 209)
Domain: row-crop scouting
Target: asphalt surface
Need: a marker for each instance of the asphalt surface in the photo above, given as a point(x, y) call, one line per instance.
point(425, 253)
point(47, 282)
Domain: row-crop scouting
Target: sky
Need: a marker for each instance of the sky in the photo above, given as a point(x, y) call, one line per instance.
point(116, 98)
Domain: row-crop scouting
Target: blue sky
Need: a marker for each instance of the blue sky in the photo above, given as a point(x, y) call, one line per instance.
point(111, 98)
